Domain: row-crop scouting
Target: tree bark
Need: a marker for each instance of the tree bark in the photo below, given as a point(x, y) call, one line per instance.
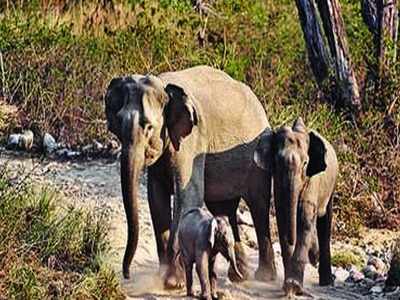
point(346, 83)
point(328, 51)
point(317, 51)
point(388, 28)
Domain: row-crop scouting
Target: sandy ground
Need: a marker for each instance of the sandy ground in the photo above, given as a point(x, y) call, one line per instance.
point(97, 184)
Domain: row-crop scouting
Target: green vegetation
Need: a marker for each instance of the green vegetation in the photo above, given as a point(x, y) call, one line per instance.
point(346, 259)
point(51, 253)
point(59, 59)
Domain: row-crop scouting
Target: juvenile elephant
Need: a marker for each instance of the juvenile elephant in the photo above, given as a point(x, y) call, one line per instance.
point(201, 237)
point(305, 168)
point(196, 130)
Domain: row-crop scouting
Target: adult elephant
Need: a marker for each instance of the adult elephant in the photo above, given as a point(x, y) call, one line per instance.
point(196, 131)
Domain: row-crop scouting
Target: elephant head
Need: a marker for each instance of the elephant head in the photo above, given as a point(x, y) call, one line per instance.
point(221, 239)
point(147, 117)
point(295, 155)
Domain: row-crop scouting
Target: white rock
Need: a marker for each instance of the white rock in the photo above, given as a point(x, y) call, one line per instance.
point(49, 143)
point(378, 264)
point(370, 272)
point(376, 289)
point(341, 274)
point(13, 140)
point(26, 140)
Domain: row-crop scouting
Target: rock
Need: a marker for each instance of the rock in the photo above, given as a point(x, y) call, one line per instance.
point(341, 274)
point(355, 276)
point(97, 146)
point(377, 263)
point(370, 272)
point(26, 140)
point(376, 289)
point(49, 143)
point(13, 141)
point(73, 154)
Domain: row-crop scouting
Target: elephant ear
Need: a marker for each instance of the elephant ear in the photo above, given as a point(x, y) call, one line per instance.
point(212, 230)
point(114, 100)
point(263, 153)
point(181, 114)
point(316, 153)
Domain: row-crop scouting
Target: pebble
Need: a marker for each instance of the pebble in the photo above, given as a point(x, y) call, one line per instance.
point(355, 276)
point(377, 263)
point(370, 272)
point(13, 141)
point(376, 289)
point(26, 140)
point(341, 274)
point(49, 143)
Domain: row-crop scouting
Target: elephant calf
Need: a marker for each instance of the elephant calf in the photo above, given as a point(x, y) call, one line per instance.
point(201, 237)
point(305, 168)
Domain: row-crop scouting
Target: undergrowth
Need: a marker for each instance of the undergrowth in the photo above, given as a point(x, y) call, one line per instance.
point(49, 252)
point(58, 59)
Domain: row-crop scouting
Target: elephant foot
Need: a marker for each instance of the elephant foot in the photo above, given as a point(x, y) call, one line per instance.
point(327, 280)
point(174, 278)
point(265, 274)
point(173, 282)
point(293, 288)
point(241, 261)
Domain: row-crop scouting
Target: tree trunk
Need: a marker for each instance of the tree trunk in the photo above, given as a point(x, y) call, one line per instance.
point(388, 27)
point(343, 86)
point(346, 83)
point(393, 278)
point(317, 51)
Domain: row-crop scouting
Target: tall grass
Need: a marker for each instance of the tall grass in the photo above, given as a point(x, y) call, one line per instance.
point(60, 56)
point(50, 252)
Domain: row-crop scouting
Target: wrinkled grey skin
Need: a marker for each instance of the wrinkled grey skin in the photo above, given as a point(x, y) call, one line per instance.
point(196, 131)
point(201, 237)
point(304, 173)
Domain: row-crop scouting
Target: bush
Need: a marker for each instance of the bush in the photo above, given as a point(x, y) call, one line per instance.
point(50, 252)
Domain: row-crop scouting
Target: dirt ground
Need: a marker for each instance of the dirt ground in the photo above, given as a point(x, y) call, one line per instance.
point(97, 184)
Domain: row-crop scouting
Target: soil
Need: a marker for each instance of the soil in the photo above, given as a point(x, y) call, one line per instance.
point(97, 184)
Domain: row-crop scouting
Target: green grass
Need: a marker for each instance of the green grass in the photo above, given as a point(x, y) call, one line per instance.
point(346, 259)
point(57, 67)
point(51, 252)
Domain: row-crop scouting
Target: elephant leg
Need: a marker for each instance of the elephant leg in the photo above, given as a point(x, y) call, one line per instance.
point(305, 239)
point(324, 240)
point(189, 278)
point(213, 277)
point(258, 200)
point(159, 198)
point(202, 273)
point(188, 193)
point(229, 208)
point(286, 250)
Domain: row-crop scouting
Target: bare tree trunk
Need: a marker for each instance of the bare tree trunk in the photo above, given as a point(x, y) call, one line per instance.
point(347, 88)
point(317, 51)
point(343, 86)
point(388, 28)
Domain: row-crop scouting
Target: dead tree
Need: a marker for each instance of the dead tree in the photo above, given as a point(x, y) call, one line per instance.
point(328, 51)
point(382, 18)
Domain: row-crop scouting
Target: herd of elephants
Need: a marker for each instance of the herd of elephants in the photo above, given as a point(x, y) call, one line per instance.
point(205, 139)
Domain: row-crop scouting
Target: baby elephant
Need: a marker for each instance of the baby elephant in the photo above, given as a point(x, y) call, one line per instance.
point(201, 237)
point(305, 168)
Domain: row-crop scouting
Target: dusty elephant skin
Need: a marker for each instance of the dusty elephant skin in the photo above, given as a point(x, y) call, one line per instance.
point(201, 237)
point(196, 130)
point(304, 171)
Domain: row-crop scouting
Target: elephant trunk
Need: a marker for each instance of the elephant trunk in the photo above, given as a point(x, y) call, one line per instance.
point(293, 204)
point(131, 166)
point(232, 261)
